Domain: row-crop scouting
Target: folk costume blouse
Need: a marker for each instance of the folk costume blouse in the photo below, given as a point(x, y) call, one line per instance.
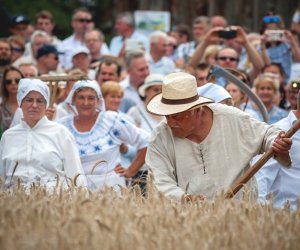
point(99, 148)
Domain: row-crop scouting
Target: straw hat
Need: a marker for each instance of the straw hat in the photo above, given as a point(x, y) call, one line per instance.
point(151, 80)
point(179, 93)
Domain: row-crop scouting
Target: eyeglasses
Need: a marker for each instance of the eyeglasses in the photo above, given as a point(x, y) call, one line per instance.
point(84, 20)
point(271, 19)
point(228, 58)
point(17, 49)
point(10, 81)
point(30, 101)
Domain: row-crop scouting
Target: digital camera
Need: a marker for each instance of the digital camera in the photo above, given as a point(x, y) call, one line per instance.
point(227, 33)
point(274, 35)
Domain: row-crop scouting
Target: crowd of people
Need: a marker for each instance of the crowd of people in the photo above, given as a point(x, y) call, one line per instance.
point(151, 104)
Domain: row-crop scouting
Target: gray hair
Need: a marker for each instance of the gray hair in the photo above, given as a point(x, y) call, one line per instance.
point(131, 55)
point(201, 19)
point(156, 35)
point(39, 33)
point(126, 17)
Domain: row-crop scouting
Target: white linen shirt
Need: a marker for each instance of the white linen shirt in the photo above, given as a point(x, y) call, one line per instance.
point(182, 166)
point(43, 153)
point(273, 178)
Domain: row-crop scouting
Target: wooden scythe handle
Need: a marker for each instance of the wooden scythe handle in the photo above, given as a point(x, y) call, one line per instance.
point(252, 170)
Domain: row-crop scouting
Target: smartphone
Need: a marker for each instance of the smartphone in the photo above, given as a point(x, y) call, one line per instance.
point(274, 35)
point(227, 33)
point(295, 85)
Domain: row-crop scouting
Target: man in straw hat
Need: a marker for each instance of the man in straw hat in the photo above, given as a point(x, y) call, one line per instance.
point(203, 147)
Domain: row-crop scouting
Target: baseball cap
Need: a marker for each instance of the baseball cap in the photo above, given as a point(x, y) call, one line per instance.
point(80, 50)
point(19, 19)
point(45, 50)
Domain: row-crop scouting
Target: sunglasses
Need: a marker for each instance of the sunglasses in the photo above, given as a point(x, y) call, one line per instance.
point(83, 20)
point(271, 19)
point(17, 49)
point(10, 81)
point(227, 58)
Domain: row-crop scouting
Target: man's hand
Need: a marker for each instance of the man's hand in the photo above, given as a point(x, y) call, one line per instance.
point(281, 145)
point(212, 36)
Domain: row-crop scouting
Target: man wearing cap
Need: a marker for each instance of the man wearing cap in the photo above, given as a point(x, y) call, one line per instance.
point(203, 147)
point(19, 25)
point(81, 59)
point(47, 60)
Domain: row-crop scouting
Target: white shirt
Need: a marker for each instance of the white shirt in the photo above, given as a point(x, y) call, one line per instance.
point(71, 44)
point(182, 166)
point(164, 66)
point(130, 97)
point(45, 154)
point(117, 42)
point(273, 178)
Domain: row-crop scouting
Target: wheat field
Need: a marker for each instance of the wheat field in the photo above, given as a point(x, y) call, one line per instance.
point(79, 219)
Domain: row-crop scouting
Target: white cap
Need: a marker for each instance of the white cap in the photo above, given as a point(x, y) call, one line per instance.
point(80, 50)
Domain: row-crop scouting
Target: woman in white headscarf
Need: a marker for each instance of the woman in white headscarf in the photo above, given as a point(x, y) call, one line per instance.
point(38, 150)
point(99, 134)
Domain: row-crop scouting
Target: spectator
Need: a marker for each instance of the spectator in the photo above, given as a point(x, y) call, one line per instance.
point(17, 45)
point(94, 40)
point(228, 57)
point(47, 60)
point(81, 23)
point(185, 51)
point(125, 30)
point(109, 70)
point(277, 183)
point(218, 21)
point(278, 48)
point(5, 55)
point(266, 87)
point(81, 59)
point(37, 40)
point(19, 25)
point(29, 70)
point(9, 89)
point(44, 21)
point(201, 73)
point(158, 62)
point(138, 69)
point(292, 90)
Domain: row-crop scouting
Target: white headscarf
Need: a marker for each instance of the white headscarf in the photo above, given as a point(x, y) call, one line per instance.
point(26, 85)
point(86, 84)
point(214, 92)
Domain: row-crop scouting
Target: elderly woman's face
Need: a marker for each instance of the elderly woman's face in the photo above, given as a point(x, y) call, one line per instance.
point(86, 102)
point(33, 106)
